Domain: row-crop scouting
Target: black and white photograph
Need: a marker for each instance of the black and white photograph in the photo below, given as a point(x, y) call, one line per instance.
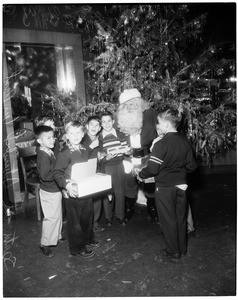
point(119, 169)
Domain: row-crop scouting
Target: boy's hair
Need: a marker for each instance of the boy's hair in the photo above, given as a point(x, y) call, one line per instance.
point(42, 129)
point(40, 120)
point(172, 115)
point(73, 124)
point(91, 118)
point(106, 113)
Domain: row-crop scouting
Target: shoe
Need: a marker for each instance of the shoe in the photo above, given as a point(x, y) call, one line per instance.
point(152, 213)
point(191, 234)
point(98, 229)
point(130, 207)
point(156, 222)
point(109, 223)
point(61, 241)
point(122, 222)
point(46, 251)
point(84, 253)
point(94, 245)
point(169, 255)
point(129, 213)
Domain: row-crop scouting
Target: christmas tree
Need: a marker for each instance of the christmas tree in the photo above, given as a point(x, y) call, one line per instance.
point(159, 49)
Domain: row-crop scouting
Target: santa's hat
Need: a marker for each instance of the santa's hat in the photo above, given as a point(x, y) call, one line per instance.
point(129, 94)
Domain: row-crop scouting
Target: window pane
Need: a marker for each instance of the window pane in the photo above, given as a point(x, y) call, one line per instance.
point(32, 72)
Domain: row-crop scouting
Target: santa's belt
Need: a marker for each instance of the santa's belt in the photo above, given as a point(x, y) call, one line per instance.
point(142, 152)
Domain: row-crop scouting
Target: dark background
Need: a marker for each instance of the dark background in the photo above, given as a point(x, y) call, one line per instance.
point(220, 24)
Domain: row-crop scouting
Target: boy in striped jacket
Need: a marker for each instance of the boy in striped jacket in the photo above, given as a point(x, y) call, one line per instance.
point(112, 146)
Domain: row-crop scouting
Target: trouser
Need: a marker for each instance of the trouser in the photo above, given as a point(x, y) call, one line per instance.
point(190, 227)
point(131, 190)
point(52, 222)
point(131, 186)
point(118, 187)
point(79, 223)
point(97, 205)
point(171, 203)
point(149, 191)
point(63, 210)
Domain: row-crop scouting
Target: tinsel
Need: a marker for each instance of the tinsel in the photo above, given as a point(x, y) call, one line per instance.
point(156, 48)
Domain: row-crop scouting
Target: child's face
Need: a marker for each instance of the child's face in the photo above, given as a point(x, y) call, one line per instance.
point(74, 135)
point(47, 139)
point(107, 123)
point(161, 126)
point(50, 123)
point(93, 127)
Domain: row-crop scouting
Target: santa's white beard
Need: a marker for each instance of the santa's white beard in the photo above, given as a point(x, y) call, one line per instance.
point(130, 122)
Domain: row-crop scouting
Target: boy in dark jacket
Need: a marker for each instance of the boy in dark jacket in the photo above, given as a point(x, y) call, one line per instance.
point(169, 162)
point(50, 194)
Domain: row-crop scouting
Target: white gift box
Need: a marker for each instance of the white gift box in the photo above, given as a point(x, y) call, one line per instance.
point(118, 150)
point(88, 181)
point(149, 180)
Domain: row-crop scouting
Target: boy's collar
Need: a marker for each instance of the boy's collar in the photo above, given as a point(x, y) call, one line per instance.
point(112, 131)
point(74, 147)
point(92, 137)
point(47, 150)
point(171, 131)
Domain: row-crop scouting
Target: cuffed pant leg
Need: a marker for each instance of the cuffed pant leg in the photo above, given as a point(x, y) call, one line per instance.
point(51, 204)
point(181, 210)
point(108, 207)
point(97, 204)
point(118, 185)
point(79, 222)
point(166, 205)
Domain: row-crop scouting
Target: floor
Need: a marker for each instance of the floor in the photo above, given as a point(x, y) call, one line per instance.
point(128, 263)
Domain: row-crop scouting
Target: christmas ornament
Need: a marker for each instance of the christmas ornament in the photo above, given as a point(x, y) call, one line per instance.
point(79, 20)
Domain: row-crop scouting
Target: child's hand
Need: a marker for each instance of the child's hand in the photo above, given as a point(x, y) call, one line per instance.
point(110, 156)
point(94, 144)
point(139, 179)
point(101, 155)
point(72, 189)
point(136, 170)
point(129, 151)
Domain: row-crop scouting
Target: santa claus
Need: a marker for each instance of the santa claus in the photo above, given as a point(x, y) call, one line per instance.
point(136, 119)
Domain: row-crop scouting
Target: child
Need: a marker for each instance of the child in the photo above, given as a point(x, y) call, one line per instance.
point(112, 163)
point(50, 194)
point(90, 140)
point(79, 210)
point(48, 121)
point(171, 158)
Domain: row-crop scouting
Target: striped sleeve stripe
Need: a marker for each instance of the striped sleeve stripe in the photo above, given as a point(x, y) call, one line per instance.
point(156, 160)
point(123, 143)
point(113, 143)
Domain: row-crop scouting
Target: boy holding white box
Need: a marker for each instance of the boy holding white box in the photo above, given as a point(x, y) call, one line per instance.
point(79, 210)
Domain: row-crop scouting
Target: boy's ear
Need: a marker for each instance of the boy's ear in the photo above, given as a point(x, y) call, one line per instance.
point(86, 126)
point(39, 141)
